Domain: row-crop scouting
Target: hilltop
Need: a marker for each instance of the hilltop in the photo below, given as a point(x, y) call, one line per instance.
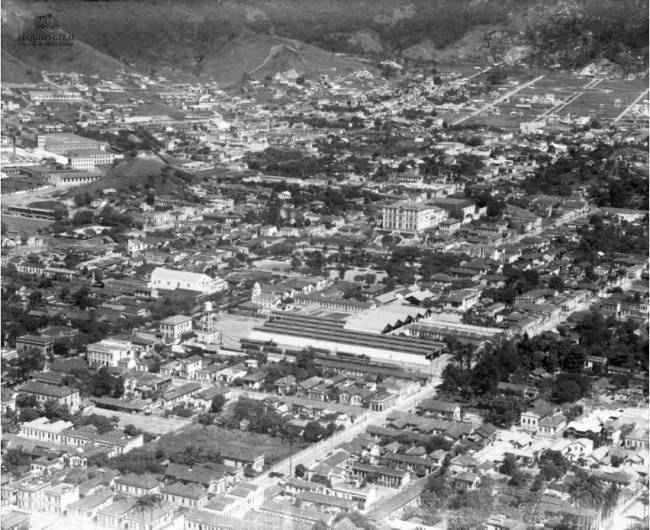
point(136, 176)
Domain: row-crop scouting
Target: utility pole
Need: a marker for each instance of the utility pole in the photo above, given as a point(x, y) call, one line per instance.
point(291, 456)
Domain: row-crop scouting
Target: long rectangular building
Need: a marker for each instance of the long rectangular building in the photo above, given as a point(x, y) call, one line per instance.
point(300, 331)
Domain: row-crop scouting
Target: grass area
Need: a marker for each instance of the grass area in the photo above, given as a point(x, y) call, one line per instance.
point(24, 224)
point(131, 176)
point(213, 437)
point(151, 424)
point(13, 184)
point(599, 101)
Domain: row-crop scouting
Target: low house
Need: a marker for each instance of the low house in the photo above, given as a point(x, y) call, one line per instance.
point(214, 481)
point(254, 381)
point(382, 401)
point(551, 425)
point(136, 485)
point(237, 460)
point(185, 495)
point(385, 476)
point(159, 516)
point(180, 395)
point(114, 515)
point(285, 384)
point(62, 395)
point(85, 509)
point(466, 481)
point(500, 522)
point(174, 327)
point(442, 409)
point(529, 420)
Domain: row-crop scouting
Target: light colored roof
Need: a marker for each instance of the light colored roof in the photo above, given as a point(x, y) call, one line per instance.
point(177, 276)
point(176, 319)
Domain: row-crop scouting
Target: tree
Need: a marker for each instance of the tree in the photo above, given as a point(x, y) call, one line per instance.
point(610, 500)
point(104, 383)
point(20, 368)
point(517, 479)
point(205, 418)
point(82, 297)
point(503, 411)
point(556, 283)
point(313, 432)
point(568, 388)
point(217, 403)
point(15, 460)
point(300, 470)
point(146, 504)
point(509, 465)
point(28, 414)
point(131, 430)
point(439, 486)
point(26, 400)
point(53, 411)
point(587, 493)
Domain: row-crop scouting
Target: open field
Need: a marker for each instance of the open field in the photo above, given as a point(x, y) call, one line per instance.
point(151, 424)
point(561, 94)
point(213, 437)
point(24, 224)
point(234, 327)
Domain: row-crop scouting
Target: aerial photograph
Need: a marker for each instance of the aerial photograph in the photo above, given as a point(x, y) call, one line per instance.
point(324, 265)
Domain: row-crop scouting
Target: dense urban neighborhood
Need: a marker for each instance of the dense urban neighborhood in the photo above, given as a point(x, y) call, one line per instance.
point(402, 296)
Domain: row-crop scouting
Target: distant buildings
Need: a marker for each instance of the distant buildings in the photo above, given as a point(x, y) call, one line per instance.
point(62, 143)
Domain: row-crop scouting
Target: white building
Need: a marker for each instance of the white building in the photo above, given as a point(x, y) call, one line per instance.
point(162, 278)
point(411, 217)
point(109, 352)
point(175, 326)
point(88, 159)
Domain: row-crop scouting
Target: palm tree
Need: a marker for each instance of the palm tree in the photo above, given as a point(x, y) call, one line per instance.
point(147, 503)
point(610, 501)
point(587, 494)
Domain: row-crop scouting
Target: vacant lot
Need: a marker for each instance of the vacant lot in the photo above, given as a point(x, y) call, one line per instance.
point(603, 99)
point(151, 424)
point(23, 224)
point(213, 437)
point(234, 327)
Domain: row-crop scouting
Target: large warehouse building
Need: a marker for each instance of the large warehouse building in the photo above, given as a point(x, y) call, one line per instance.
point(327, 333)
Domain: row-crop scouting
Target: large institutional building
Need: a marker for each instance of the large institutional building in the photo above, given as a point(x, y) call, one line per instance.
point(411, 217)
point(162, 278)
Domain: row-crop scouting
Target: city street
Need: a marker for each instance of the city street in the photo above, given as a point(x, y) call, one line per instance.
point(318, 451)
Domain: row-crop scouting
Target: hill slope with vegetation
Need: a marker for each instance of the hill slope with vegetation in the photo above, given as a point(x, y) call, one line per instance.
point(207, 38)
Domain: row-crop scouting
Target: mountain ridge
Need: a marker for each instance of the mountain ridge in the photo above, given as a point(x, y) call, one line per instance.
point(223, 40)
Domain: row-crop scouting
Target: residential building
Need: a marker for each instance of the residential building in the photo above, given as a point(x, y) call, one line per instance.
point(172, 328)
point(62, 395)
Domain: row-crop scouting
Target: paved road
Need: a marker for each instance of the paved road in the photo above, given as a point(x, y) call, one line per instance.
point(497, 100)
point(627, 109)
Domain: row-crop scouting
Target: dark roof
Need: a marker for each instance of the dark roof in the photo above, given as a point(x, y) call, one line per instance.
point(43, 389)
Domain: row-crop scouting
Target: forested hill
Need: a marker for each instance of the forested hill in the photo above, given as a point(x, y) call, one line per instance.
point(197, 36)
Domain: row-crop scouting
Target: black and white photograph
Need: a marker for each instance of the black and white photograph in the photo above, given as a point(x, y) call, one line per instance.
point(324, 265)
